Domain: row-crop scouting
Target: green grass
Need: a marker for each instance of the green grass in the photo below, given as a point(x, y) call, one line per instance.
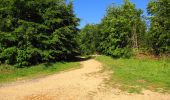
point(133, 75)
point(10, 73)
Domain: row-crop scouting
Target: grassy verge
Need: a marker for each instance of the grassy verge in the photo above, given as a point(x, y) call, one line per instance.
point(10, 73)
point(133, 75)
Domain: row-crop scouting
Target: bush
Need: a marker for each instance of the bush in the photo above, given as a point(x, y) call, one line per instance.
point(8, 55)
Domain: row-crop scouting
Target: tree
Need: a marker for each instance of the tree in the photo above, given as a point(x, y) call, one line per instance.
point(136, 21)
point(36, 31)
point(121, 30)
point(89, 39)
point(159, 32)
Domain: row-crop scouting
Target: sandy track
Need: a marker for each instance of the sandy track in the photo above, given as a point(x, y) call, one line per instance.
point(73, 85)
point(81, 84)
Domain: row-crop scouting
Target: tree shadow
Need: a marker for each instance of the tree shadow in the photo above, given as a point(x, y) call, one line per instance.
point(79, 58)
point(72, 59)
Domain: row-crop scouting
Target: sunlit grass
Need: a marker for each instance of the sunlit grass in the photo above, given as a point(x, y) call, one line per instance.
point(10, 73)
point(133, 75)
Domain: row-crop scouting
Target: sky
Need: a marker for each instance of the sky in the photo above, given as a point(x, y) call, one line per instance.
point(92, 11)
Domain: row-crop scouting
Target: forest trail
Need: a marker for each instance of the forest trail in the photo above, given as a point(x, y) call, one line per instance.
point(86, 83)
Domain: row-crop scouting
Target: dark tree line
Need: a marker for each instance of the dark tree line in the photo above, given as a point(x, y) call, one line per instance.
point(123, 30)
point(36, 31)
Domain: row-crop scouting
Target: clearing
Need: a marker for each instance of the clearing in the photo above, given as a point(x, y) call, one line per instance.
point(86, 83)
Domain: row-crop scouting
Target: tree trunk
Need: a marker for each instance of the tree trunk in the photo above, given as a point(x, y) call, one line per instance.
point(134, 37)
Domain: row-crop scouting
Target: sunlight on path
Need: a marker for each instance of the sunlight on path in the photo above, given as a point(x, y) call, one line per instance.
point(86, 83)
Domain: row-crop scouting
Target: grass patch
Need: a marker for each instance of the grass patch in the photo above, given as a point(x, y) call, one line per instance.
point(133, 75)
point(10, 73)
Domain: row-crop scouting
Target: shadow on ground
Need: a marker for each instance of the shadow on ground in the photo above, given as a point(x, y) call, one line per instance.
point(79, 58)
point(73, 59)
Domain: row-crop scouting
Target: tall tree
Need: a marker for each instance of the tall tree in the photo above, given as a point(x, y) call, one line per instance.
point(121, 29)
point(159, 32)
point(35, 31)
point(136, 21)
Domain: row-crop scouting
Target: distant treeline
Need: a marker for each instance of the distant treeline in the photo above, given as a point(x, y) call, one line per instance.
point(123, 29)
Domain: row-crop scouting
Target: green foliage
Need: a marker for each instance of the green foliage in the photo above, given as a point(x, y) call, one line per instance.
point(120, 30)
point(114, 34)
point(33, 32)
point(8, 56)
point(159, 32)
point(89, 39)
point(133, 75)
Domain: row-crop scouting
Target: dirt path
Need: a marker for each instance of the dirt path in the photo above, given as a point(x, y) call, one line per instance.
point(81, 84)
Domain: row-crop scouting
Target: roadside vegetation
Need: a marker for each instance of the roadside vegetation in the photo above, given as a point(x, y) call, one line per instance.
point(10, 73)
point(134, 75)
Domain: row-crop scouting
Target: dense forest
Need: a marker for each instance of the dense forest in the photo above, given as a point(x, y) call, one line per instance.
point(41, 31)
